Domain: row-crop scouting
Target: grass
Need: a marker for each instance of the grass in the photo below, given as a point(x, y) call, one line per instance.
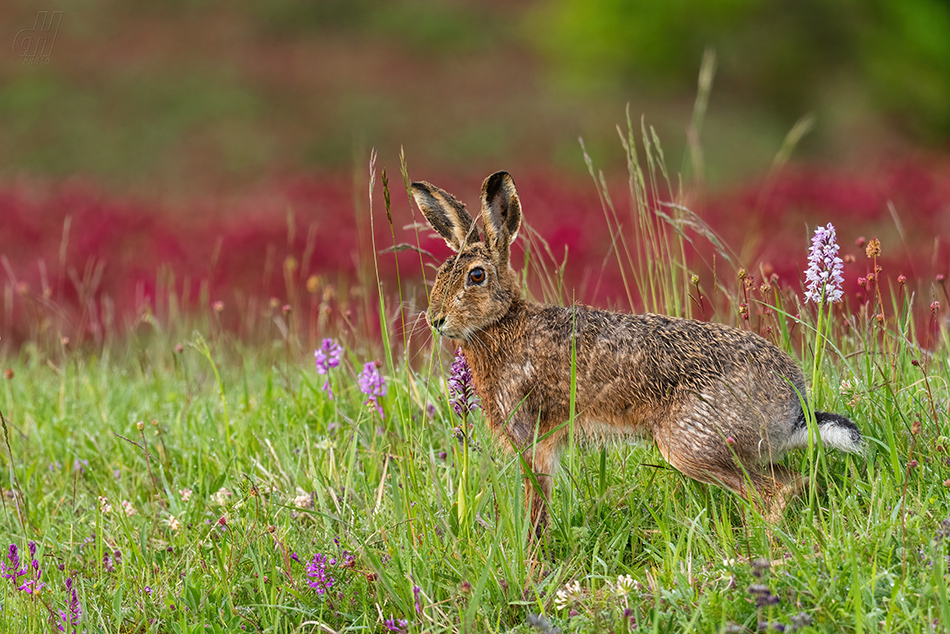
point(184, 480)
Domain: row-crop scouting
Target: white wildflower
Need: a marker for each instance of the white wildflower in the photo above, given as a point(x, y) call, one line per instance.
point(624, 586)
point(221, 497)
point(568, 595)
point(303, 500)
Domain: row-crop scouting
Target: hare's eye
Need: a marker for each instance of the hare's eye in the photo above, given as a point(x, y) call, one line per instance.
point(476, 275)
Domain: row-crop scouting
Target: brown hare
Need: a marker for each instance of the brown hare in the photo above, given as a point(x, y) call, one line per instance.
point(720, 403)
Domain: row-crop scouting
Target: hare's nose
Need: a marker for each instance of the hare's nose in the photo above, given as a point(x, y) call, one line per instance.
point(437, 323)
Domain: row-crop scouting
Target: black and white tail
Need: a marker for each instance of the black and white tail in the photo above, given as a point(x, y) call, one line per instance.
point(836, 431)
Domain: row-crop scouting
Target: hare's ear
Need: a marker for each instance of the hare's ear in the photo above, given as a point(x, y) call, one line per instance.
point(446, 215)
point(501, 213)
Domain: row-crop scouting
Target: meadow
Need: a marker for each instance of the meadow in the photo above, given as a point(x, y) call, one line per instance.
point(225, 463)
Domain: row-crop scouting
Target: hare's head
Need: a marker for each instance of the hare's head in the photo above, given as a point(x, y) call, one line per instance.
point(474, 287)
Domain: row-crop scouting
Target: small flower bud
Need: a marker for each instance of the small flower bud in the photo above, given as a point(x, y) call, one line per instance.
point(916, 427)
point(313, 284)
point(140, 425)
point(874, 248)
point(901, 280)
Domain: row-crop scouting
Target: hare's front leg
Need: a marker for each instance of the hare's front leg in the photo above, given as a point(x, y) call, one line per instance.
point(540, 460)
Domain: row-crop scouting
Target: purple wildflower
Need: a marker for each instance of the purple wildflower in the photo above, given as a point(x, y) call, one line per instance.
point(372, 384)
point(317, 571)
point(416, 591)
point(14, 557)
point(34, 584)
point(13, 571)
point(327, 356)
point(763, 596)
point(461, 388)
point(396, 625)
point(823, 277)
point(69, 621)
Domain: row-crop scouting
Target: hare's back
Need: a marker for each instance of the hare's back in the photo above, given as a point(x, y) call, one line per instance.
point(704, 352)
point(661, 355)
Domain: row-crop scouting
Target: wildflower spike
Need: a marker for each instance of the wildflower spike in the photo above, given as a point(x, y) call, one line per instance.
point(824, 278)
point(327, 356)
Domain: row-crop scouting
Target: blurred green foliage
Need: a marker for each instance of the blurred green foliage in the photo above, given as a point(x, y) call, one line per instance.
point(784, 54)
point(130, 124)
point(423, 25)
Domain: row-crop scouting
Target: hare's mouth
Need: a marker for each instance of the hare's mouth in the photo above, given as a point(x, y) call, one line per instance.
point(445, 329)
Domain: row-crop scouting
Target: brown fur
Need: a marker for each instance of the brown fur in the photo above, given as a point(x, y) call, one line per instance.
point(720, 403)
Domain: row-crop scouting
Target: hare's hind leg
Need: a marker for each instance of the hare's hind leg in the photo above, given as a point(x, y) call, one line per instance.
point(786, 485)
point(770, 489)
